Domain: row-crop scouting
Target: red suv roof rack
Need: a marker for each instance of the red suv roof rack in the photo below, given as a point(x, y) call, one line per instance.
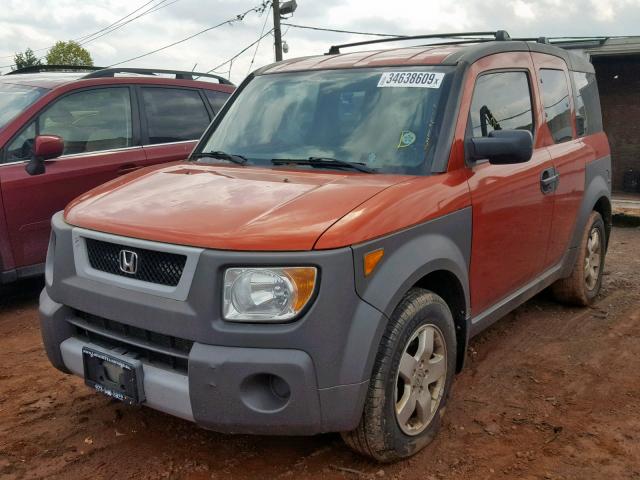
point(54, 68)
point(179, 74)
point(500, 35)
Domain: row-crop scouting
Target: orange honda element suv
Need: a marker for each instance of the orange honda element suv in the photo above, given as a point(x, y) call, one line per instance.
point(343, 228)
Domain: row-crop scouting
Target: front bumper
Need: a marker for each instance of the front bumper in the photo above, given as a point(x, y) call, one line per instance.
point(304, 377)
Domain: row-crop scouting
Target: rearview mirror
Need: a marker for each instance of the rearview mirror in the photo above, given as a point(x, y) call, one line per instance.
point(503, 147)
point(45, 147)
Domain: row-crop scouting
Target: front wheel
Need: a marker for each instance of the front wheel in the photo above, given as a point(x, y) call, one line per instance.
point(582, 287)
point(411, 380)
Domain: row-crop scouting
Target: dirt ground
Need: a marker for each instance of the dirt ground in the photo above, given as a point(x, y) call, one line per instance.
point(549, 392)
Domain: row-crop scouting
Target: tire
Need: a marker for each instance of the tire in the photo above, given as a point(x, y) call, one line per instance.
point(383, 434)
point(583, 285)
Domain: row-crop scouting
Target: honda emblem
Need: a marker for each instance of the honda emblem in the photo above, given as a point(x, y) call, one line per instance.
point(128, 261)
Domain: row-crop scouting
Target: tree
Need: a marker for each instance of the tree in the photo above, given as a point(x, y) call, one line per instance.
point(69, 53)
point(26, 59)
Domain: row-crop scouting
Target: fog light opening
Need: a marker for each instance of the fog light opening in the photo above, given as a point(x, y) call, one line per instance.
point(264, 392)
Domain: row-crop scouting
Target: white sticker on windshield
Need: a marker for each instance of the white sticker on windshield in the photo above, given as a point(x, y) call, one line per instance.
point(411, 79)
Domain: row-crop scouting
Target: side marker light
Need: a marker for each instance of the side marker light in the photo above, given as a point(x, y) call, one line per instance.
point(371, 260)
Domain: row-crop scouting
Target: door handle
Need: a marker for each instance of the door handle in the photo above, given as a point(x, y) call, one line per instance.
point(128, 168)
point(549, 180)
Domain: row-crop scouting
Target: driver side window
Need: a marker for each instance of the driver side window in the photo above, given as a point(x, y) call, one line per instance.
point(87, 121)
point(501, 101)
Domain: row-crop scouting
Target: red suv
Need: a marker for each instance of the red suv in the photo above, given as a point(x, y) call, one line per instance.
point(63, 133)
point(346, 224)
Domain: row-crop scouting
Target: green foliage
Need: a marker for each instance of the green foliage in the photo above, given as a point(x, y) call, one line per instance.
point(69, 53)
point(26, 59)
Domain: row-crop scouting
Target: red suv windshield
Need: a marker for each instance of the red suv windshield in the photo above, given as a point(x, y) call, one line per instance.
point(385, 119)
point(14, 99)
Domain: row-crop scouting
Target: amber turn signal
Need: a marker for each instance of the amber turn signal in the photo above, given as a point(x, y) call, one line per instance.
point(371, 260)
point(304, 280)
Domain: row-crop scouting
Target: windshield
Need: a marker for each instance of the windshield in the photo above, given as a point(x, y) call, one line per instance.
point(14, 99)
point(386, 119)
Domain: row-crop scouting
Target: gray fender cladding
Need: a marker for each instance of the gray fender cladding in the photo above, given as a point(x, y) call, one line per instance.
point(409, 255)
point(597, 185)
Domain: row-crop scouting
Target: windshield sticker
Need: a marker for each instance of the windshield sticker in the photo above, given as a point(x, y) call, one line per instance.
point(407, 137)
point(411, 79)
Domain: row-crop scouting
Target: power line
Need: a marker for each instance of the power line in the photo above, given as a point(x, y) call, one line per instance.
point(153, 9)
point(322, 29)
point(84, 37)
point(240, 52)
point(237, 18)
point(107, 30)
point(264, 25)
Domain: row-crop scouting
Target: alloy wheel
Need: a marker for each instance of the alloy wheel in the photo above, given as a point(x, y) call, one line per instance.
point(420, 381)
point(592, 259)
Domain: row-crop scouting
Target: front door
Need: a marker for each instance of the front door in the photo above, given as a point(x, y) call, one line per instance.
point(98, 128)
point(511, 212)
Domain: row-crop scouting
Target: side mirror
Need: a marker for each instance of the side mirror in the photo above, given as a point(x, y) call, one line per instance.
point(503, 147)
point(45, 147)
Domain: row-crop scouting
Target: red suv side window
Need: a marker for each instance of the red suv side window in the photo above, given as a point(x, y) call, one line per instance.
point(555, 95)
point(501, 101)
point(173, 114)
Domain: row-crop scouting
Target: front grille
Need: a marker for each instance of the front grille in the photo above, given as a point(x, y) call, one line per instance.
point(152, 266)
point(164, 351)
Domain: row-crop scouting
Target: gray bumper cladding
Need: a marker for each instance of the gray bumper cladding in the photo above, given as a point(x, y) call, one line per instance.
point(304, 377)
point(226, 389)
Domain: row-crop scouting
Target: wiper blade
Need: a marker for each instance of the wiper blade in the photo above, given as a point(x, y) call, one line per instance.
point(323, 162)
point(218, 155)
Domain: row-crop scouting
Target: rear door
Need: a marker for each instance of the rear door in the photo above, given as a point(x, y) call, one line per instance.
point(568, 152)
point(100, 129)
point(173, 119)
point(511, 213)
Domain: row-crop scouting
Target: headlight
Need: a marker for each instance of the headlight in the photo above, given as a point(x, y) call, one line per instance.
point(267, 294)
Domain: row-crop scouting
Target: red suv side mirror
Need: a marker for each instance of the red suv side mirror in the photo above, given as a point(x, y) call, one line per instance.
point(45, 147)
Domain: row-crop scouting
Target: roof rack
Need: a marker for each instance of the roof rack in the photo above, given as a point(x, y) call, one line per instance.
point(500, 35)
point(53, 68)
point(179, 74)
point(544, 40)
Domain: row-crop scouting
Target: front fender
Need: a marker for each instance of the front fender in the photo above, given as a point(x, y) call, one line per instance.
point(409, 255)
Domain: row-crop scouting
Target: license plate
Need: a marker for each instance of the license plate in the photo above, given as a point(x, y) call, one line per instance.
point(113, 376)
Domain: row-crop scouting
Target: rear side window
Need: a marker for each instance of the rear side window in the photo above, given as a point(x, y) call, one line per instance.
point(173, 114)
point(557, 108)
point(501, 101)
point(216, 99)
point(587, 100)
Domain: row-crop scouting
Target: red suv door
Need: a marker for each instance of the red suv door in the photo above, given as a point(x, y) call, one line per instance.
point(512, 211)
point(569, 152)
point(173, 119)
point(101, 132)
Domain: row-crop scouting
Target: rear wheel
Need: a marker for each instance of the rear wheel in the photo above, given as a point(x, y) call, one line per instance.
point(411, 379)
point(582, 287)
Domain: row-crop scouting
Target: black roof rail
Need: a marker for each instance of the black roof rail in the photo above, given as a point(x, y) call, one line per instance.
point(500, 35)
point(53, 68)
point(544, 40)
point(179, 74)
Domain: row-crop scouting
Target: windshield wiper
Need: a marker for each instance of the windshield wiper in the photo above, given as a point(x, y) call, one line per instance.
point(218, 155)
point(323, 162)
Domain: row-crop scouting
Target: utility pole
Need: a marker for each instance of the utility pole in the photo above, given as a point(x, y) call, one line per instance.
point(276, 30)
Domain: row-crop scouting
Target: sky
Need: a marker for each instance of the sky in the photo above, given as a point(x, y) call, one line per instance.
point(40, 23)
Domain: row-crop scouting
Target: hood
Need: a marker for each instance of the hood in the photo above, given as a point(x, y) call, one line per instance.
point(226, 207)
